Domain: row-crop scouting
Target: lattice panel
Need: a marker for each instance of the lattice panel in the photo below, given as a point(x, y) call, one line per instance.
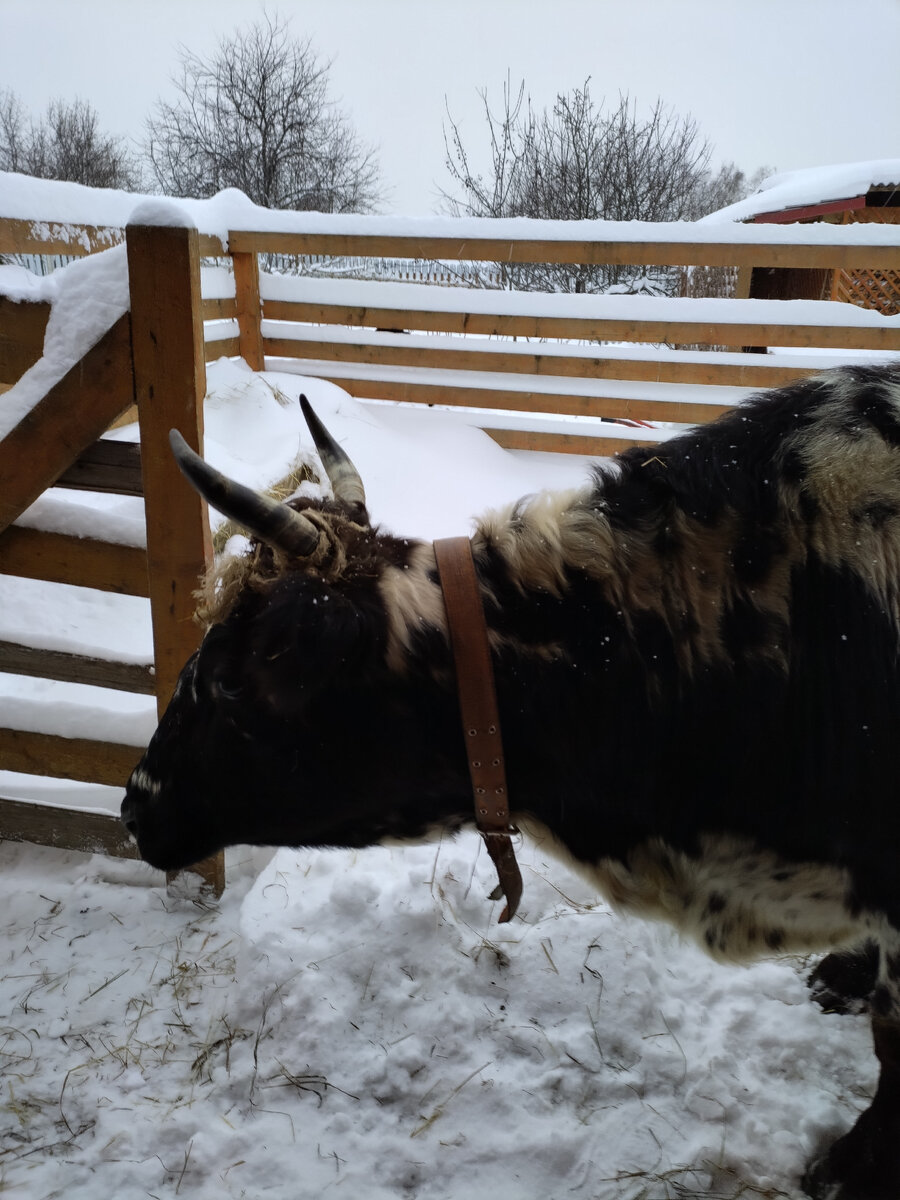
point(879, 290)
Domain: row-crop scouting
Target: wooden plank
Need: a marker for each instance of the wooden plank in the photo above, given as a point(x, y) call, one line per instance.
point(36, 237)
point(881, 214)
point(75, 240)
point(635, 409)
point(542, 250)
point(106, 467)
point(249, 310)
point(223, 348)
point(67, 758)
point(39, 663)
point(210, 246)
point(62, 425)
point(491, 356)
point(742, 287)
point(56, 237)
point(64, 828)
point(85, 562)
point(677, 333)
point(128, 417)
point(170, 384)
point(219, 308)
point(22, 328)
point(564, 443)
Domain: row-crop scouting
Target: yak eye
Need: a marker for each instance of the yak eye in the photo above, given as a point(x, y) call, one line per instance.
point(226, 688)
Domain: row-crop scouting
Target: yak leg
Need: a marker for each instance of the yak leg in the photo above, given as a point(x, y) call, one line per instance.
point(865, 1163)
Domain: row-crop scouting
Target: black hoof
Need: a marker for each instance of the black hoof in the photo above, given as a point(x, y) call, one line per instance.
point(843, 982)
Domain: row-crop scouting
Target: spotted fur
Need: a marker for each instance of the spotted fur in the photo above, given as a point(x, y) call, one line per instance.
point(697, 659)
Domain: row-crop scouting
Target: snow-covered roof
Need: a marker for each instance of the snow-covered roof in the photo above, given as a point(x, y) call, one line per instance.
point(813, 186)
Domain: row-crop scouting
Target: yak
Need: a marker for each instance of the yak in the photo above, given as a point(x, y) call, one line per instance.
point(696, 659)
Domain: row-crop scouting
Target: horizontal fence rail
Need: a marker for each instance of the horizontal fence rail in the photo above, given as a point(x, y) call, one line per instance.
point(16, 659)
point(757, 252)
point(65, 829)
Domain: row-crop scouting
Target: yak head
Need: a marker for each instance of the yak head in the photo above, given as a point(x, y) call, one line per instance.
point(309, 714)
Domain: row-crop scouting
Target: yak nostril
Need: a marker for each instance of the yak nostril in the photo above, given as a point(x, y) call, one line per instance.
point(128, 815)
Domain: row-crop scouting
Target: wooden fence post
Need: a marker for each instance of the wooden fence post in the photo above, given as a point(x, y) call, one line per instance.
point(249, 308)
point(170, 384)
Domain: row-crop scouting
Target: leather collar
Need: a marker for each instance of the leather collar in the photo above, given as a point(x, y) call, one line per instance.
point(478, 708)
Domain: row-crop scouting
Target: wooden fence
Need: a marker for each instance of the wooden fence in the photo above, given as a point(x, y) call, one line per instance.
point(506, 356)
point(515, 355)
point(152, 357)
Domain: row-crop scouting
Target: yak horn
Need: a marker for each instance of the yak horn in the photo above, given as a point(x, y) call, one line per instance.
point(342, 475)
point(276, 524)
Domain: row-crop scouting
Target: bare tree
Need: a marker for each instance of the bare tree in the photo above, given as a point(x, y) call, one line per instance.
point(581, 161)
point(13, 133)
point(257, 116)
point(66, 143)
point(728, 185)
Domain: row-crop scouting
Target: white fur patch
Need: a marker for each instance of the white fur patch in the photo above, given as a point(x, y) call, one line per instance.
point(144, 782)
point(411, 601)
point(737, 901)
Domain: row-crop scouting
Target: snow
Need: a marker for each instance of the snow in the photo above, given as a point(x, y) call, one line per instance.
point(60, 207)
point(590, 351)
point(34, 705)
point(360, 293)
point(166, 213)
point(810, 186)
point(354, 1023)
point(110, 518)
point(87, 298)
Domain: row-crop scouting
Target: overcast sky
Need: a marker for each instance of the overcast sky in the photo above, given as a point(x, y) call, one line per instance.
point(783, 83)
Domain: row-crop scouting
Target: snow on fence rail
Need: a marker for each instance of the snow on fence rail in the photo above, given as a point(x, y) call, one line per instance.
point(538, 371)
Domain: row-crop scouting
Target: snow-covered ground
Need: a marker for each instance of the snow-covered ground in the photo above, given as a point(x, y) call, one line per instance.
point(357, 1024)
